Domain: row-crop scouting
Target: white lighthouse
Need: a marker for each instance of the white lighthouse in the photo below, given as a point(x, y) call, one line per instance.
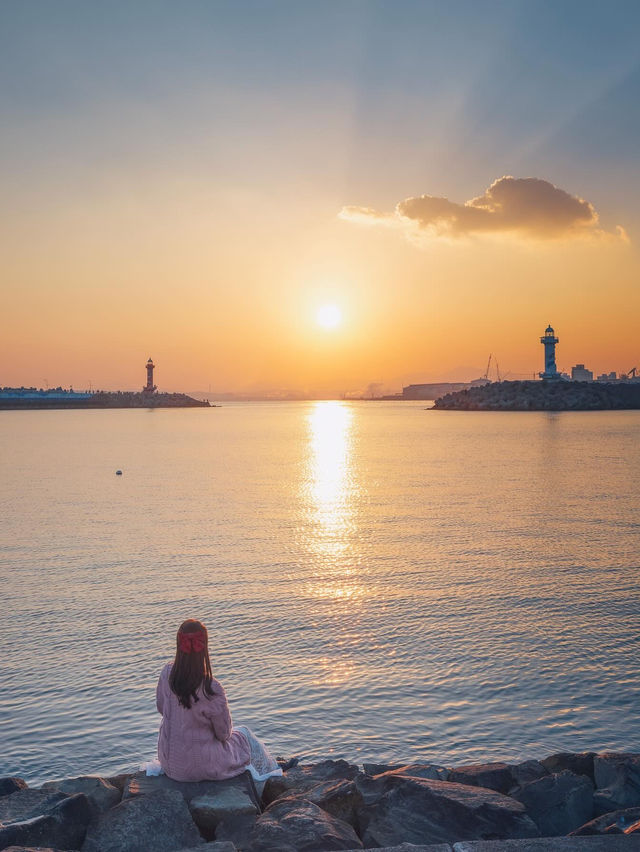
point(549, 342)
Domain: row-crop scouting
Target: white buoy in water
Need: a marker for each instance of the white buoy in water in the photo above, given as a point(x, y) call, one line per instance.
point(118, 473)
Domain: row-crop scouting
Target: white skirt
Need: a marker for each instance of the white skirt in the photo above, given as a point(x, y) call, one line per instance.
point(262, 765)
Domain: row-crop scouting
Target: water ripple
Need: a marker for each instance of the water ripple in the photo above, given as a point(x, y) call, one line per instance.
point(378, 582)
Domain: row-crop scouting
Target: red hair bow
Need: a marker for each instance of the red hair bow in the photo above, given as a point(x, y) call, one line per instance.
point(192, 642)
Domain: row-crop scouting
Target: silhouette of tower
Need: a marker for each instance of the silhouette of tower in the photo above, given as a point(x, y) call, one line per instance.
point(549, 342)
point(149, 387)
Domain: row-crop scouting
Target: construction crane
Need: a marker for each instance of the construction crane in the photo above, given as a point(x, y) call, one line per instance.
point(632, 372)
point(486, 372)
point(498, 371)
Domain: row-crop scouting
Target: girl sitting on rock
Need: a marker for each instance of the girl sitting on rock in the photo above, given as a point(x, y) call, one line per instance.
point(196, 741)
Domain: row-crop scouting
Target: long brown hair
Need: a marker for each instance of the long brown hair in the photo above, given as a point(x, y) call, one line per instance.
point(191, 668)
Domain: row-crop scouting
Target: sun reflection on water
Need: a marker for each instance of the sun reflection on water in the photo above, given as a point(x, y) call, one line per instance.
point(330, 439)
point(330, 492)
point(329, 479)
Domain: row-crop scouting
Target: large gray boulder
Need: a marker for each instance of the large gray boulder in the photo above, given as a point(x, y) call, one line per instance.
point(492, 776)
point(233, 801)
point(528, 770)
point(296, 825)
point(53, 820)
point(558, 803)
point(392, 808)
point(27, 803)
point(226, 803)
point(502, 777)
point(158, 821)
point(10, 785)
point(615, 822)
point(236, 830)
point(305, 776)
point(617, 777)
point(580, 763)
point(140, 785)
point(341, 799)
point(98, 790)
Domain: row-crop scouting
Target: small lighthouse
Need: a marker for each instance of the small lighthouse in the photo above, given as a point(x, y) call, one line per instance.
point(549, 342)
point(149, 387)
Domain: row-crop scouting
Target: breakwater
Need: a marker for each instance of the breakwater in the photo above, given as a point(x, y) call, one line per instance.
point(576, 800)
point(101, 399)
point(543, 396)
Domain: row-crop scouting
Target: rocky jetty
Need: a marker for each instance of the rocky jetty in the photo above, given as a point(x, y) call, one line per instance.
point(543, 396)
point(564, 802)
point(126, 399)
point(104, 399)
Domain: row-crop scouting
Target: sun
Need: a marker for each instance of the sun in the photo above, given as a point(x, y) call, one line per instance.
point(329, 316)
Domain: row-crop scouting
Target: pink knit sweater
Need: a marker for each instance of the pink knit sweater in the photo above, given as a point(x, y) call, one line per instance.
point(198, 744)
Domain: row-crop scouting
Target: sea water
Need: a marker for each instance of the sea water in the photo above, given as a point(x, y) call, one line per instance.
point(379, 581)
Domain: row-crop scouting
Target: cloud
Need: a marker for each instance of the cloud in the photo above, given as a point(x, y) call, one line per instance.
point(525, 207)
point(365, 216)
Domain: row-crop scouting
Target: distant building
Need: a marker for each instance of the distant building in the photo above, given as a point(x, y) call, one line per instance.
point(579, 373)
point(34, 393)
point(607, 377)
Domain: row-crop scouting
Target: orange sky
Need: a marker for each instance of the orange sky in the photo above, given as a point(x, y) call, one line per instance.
point(100, 295)
point(198, 220)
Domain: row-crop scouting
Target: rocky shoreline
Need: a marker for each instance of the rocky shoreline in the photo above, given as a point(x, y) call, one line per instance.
point(543, 396)
point(566, 801)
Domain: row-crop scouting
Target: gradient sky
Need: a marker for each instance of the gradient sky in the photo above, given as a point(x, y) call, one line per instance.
point(175, 177)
